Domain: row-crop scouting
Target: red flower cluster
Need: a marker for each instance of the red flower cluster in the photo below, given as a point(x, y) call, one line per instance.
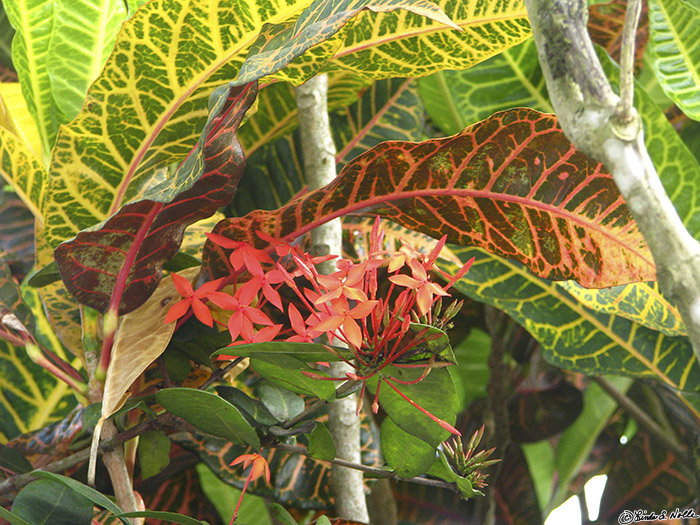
point(345, 305)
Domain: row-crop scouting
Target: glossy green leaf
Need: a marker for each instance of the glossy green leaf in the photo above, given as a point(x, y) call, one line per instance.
point(83, 35)
point(6, 34)
point(435, 393)
point(288, 372)
point(12, 519)
point(675, 47)
point(33, 23)
point(83, 490)
point(49, 502)
point(407, 455)
point(321, 444)
point(118, 263)
point(254, 408)
point(282, 514)
point(209, 413)
point(14, 462)
point(540, 462)
point(456, 99)
point(511, 184)
point(311, 352)
point(281, 403)
point(162, 516)
point(154, 453)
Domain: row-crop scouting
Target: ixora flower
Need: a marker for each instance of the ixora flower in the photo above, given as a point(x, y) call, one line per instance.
point(260, 467)
point(382, 326)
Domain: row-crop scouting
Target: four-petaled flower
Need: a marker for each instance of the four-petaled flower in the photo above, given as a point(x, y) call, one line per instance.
point(425, 289)
point(192, 299)
point(260, 468)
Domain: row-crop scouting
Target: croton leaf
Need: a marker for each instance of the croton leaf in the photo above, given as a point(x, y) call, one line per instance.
point(539, 414)
point(572, 336)
point(279, 44)
point(176, 53)
point(17, 235)
point(674, 37)
point(17, 118)
point(82, 38)
point(456, 99)
point(33, 23)
point(23, 171)
point(119, 262)
point(512, 184)
point(647, 476)
point(605, 24)
point(387, 110)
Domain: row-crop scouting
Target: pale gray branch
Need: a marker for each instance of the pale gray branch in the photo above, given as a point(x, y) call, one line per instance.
point(319, 168)
point(586, 106)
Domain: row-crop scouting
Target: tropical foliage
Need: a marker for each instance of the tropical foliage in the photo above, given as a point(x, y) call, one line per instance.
point(494, 296)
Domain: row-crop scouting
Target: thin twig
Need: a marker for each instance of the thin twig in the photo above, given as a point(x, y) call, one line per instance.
point(344, 389)
point(373, 472)
point(629, 36)
point(643, 419)
point(219, 373)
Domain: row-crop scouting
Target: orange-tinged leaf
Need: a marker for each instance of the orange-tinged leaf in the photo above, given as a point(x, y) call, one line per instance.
point(511, 184)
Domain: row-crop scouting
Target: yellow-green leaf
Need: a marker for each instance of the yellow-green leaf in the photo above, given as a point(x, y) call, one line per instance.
point(23, 171)
point(675, 46)
point(15, 113)
point(402, 44)
point(33, 23)
point(83, 36)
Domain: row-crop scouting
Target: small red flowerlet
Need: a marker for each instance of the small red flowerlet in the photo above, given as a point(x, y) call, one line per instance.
point(260, 468)
point(192, 299)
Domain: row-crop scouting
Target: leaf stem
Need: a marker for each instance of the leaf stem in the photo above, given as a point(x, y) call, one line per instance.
point(629, 33)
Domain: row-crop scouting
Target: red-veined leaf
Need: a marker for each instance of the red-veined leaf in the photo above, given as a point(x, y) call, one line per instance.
point(511, 184)
point(119, 261)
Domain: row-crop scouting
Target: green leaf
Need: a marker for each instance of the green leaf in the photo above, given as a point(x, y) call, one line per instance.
point(47, 275)
point(6, 35)
point(314, 352)
point(161, 516)
point(254, 408)
point(33, 23)
point(540, 461)
point(13, 519)
point(675, 48)
point(210, 413)
point(577, 441)
point(154, 453)
point(407, 455)
point(14, 462)
point(435, 393)
point(438, 346)
point(484, 187)
point(83, 490)
point(119, 262)
point(321, 445)
point(471, 374)
point(456, 99)
point(83, 36)
point(281, 403)
point(282, 514)
point(288, 372)
point(47, 501)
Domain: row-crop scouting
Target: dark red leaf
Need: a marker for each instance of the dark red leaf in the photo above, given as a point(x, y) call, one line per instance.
point(118, 263)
